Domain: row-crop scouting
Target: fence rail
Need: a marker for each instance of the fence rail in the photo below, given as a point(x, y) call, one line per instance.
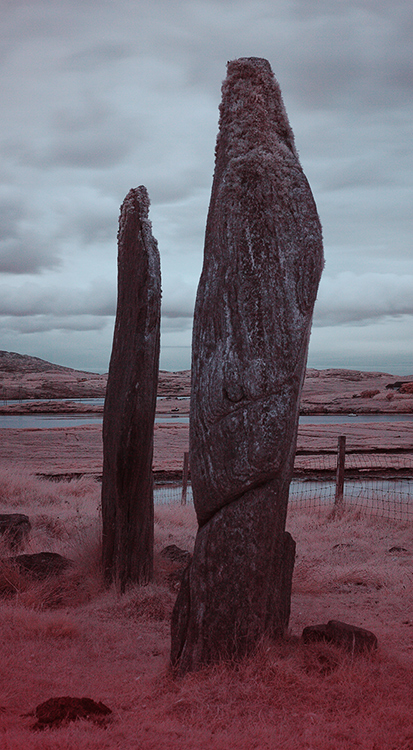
point(377, 484)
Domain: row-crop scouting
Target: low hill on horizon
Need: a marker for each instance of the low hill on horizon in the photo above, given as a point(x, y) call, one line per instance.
point(25, 377)
point(325, 391)
point(15, 362)
point(22, 363)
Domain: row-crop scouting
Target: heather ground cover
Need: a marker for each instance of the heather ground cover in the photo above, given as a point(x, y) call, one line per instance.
point(70, 636)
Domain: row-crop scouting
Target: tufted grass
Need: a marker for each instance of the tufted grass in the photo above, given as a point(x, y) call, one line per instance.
point(73, 637)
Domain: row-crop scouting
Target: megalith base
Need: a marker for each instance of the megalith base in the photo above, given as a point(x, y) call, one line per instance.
point(238, 586)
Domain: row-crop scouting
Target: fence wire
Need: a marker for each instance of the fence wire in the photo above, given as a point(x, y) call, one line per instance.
point(376, 484)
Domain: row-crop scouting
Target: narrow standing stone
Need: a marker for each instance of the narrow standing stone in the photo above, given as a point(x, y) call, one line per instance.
point(262, 264)
point(129, 414)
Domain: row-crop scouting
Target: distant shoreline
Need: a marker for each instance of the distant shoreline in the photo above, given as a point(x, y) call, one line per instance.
point(49, 387)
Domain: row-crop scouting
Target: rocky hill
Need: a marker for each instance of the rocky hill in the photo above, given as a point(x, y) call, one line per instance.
point(25, 377)
point(22, 377)
point(12, 362)
point(331, 391)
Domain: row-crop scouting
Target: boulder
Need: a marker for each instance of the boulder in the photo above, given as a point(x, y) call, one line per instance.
point(40, 565)
point(350, 637)
point(56, 712)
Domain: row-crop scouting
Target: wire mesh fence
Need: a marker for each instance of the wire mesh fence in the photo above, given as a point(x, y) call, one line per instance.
point(388, 498)
point(377, 484)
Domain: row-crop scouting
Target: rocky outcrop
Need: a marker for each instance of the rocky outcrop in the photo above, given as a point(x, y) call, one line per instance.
point(262, 263)
point(128, 420)
point(324, 391)
point(335, 391)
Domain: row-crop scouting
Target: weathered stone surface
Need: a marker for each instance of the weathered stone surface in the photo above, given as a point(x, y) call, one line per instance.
point(14, 528)
point(128, 420)
point(262, 263)
point(57, 712)
point(352, 638)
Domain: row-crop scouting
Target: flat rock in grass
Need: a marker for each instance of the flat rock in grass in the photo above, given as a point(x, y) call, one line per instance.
point(14, 528)
point(352, 638)
point(56, 712)
point(40, 565)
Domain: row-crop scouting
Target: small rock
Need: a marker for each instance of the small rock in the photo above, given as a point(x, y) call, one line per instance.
point(15, 528)
point(395, 386)
point(398, 549)
point(352, 638)
point(56, 712)
point(367, 394)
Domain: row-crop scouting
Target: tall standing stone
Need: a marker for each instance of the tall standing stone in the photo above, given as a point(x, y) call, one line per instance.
point(262, 264)
point(129, 414)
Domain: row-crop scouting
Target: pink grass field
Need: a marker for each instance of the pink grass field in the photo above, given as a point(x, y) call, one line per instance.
point(69, 636)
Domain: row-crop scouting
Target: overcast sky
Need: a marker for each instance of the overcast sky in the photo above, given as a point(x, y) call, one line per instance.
point(100, 96)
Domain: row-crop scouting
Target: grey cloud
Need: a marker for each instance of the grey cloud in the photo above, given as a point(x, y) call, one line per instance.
point(95, 227)
point(11, 211)
point(88, 215)
point(14, 260)
point(37, 228)
point(83, 133)
point(25, 246)
point(178, 297)
point(359, 171)
point(101, 99)
point(97, 55)
point(93, 148)
point(22, 255)
point(352, 55)
point(97, 299)
point(176, 324)
point(381, 345)
point(351, 298)
point(175, 310)
point(35, 299)
point(45, 323)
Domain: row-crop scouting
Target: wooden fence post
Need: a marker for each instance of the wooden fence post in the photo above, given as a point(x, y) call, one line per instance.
point(341, 459)
point(185, 478)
